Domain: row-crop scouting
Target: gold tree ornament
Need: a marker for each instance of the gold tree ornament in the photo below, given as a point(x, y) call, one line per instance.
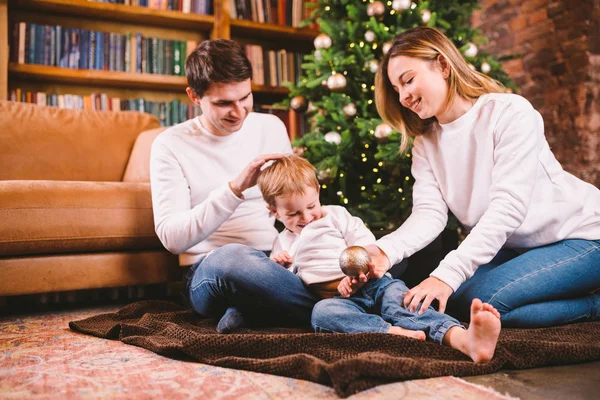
point(299, 104)
point(386, 47)
point(336, 82)
point(471, 50)
point(426, 16)
point(383, 131)
point(401, 5)
point(322, 41)
point(376, 9)
point(333, 137)
point(349, 110)
point(355, 260)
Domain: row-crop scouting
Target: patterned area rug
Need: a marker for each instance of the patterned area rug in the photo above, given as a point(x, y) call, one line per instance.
point(41, 358)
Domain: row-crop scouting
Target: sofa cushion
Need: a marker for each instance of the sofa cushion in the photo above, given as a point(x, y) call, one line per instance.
point(47, 143)
point(138, 167)
point(47, 217)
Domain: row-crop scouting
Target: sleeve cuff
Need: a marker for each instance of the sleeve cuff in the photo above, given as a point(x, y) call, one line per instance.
point(450, 278)
point(386, 245)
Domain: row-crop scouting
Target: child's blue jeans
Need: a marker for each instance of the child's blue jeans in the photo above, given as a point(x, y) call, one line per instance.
point(240, 276)
point(374, 308)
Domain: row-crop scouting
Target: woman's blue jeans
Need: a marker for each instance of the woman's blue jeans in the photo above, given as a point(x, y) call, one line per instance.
point(546, 286)
point(376, 307)
point(262, 290)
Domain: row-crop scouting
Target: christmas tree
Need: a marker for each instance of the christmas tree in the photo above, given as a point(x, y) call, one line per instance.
point(355, 153)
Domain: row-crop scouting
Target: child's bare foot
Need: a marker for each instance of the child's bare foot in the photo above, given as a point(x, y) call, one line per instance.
point(396, 330)
point(483, 331)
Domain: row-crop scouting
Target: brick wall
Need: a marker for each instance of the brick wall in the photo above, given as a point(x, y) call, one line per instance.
point(558, 70)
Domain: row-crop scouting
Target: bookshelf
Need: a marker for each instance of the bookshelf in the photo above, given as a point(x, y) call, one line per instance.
point(121, 19)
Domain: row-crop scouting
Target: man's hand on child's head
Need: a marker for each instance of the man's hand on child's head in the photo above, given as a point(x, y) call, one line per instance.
point(284, 259)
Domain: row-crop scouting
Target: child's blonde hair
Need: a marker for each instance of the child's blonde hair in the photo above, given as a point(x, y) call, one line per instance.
point(427, 44)
point(286, 176)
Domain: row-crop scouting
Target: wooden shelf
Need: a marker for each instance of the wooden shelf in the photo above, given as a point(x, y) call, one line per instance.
point(114, 79)
point(240, 27)
point(97, 78)
point(118, 12)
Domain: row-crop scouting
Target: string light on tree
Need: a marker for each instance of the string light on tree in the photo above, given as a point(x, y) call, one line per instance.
point(401, 5)
point(376, 9)
point(471, 50)
point(485, 67)
point(322, 41)
point(333, 137)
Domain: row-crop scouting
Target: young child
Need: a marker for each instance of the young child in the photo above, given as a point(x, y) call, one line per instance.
point(310, 246)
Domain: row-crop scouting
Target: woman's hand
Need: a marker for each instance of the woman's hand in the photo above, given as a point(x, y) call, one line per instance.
point(427, 291)
point(380, 263)
point(284, 259)
point(248, 177)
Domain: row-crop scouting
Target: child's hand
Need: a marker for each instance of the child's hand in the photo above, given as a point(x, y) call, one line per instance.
point(284, 259)
point(349, 286)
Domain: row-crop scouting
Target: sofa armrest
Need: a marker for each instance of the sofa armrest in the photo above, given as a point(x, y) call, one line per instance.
point(138, 166)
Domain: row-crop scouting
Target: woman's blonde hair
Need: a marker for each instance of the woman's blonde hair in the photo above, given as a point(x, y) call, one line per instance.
point(427, 44)
point(287, 176)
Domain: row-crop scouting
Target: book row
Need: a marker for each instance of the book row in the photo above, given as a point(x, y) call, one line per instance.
point(168, 112)
point(185, 6)
point(273, 67)
point(86, 49)
point(279, 12)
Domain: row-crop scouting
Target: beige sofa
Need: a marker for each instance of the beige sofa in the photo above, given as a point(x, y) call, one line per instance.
point(75, 204)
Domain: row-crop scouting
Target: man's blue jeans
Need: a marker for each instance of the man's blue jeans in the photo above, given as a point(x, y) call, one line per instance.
point(376, 307)
point(546, 286)
point(240, 276)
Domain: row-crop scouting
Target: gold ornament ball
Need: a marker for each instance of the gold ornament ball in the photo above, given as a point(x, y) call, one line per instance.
point(426, 16)
point(349, 110)
point(299, 104)
point(485, 67)
point(322, 41)
point(382, 131)
point(336, 82)
point(355, 260)
point(386, 47)
point(401, 5)
point(375, 9)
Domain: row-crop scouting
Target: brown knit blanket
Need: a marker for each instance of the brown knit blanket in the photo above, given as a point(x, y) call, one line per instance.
point(348, 362)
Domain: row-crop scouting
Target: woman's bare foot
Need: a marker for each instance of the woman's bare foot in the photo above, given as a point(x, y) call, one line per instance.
point(479, 341)
point(396, 330)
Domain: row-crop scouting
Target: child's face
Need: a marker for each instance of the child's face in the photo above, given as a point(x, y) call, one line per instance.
point(298, 210)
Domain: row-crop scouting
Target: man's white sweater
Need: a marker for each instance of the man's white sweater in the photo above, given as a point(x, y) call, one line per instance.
point(195, 211)
point(494, 170)
point(316, 250)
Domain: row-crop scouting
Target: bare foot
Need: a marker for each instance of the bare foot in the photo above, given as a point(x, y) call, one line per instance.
point(483, 331)
point(396, 330)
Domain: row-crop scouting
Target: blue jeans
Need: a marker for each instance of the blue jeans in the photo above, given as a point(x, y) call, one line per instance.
point(376, 307)
point(546, 286)
point(240, 276)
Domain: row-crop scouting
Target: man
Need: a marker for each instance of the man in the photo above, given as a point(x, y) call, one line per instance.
point(206, 206)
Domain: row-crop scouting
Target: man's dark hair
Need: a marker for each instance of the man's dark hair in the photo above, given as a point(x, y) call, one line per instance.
point(216, 61)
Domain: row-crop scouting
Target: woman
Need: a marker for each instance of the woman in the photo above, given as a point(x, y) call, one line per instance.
point(533, 251)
